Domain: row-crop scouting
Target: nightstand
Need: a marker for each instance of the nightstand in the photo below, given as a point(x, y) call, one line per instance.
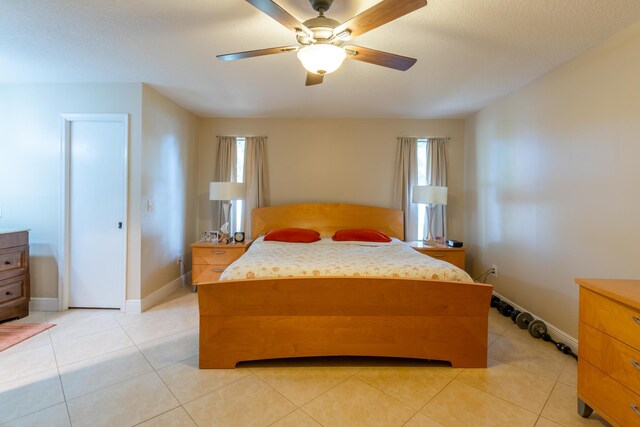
point(210, 259)
point(454, 256)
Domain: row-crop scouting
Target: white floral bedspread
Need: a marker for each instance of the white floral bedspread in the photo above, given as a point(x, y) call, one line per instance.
point(346, 259)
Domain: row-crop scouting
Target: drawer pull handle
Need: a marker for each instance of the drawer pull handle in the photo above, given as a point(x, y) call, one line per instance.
point(438, 256)
point(223, 252)
point(635, 408)
point(7, 263)
point(636, 364)
point(217, 270)
point(635, 319)
point(9, 293)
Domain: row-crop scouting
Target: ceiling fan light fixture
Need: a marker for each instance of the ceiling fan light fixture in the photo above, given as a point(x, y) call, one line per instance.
point(321, 58)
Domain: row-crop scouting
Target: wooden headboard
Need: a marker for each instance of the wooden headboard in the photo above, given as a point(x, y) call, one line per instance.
point(327, 218)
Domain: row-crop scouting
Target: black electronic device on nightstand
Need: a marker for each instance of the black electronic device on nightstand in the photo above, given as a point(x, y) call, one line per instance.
point(454, 243)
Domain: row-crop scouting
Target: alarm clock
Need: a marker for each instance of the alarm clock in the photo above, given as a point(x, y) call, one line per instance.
point(238, 237)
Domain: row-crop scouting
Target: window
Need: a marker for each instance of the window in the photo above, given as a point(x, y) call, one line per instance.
point(422, 180)
point(238, 205)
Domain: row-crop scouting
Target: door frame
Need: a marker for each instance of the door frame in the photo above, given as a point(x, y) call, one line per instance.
point(65, 201)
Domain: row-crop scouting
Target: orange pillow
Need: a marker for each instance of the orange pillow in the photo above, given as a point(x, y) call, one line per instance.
point(293, 235)
point(361, 235)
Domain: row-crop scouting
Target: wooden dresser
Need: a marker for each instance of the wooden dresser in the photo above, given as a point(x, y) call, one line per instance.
point(609, 349)
point(454, 256)
point(208, 260)
point(14, 274)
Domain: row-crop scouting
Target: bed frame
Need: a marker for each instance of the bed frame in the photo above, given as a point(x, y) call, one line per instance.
point(341, 316)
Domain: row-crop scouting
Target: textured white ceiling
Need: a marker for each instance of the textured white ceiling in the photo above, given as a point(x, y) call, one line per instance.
point(469, 52)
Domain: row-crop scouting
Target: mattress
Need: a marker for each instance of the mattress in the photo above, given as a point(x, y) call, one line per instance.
point(326, 258)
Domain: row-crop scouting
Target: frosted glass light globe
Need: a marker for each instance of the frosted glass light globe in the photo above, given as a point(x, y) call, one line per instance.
point(321, 58)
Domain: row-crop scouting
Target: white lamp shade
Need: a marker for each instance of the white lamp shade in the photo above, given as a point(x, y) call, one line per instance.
point(321, 58)
point(226, 190)
point(429, 194)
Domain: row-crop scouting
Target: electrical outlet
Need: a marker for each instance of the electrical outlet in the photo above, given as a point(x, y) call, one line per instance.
point(179, 259)
point(495, 270)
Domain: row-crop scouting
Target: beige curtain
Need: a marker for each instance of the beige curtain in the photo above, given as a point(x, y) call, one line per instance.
point(256, 177)
point(437, 175)
point(225, 172)
point(406, 177)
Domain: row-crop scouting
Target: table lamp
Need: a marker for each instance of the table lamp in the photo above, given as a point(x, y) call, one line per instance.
point(432, 196)
point(226, 192)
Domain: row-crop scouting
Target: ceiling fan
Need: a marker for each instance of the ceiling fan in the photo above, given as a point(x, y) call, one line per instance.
point(320, 40)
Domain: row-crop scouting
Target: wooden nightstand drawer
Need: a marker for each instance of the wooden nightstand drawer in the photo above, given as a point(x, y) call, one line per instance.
point(453, 256)
point(13, 262)
point(611, 317)
point(614, 401)
point(207, 273)
point(12, 289)
point(610, 356)
point(216, 256)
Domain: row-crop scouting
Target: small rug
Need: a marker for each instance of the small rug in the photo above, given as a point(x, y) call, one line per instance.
point(14, 333)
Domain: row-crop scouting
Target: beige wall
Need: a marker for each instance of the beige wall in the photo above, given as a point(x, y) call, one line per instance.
point(552, 181)
point(333, 160)
point(30, 167)
point(169, 182)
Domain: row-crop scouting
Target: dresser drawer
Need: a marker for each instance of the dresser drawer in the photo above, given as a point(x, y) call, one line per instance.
point(216, 256)
point(612, 318)
point(13, 259)
point(206, 273)
point(12, 290)
point(610, 356)
point(616, 402)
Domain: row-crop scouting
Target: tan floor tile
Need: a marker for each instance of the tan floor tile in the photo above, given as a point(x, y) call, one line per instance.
point(297, 419)
point(301, 384)
point(19, 364)
point(93, 374)
point(498, 324)
point(54, 416)
point(30, 394)
point(174, 418)
point(187, 382)
point(172, 349)
point(413, 386)
point(128, 319)
point(523, 388)
point(71, 350)
point(420, 420)
point(462, 405)
point(543, 422)
point(69, 328)
point(355, 403)
point(77, 313)
point(246, 402)
point(569, 375)
point(190, 315)
point(562, 408)
point(148, 330)
point(525, 352)
point(33, 317)
point(492, 337)
point(126, 403)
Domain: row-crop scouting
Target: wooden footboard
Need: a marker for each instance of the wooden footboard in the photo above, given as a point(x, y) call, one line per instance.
point(337, 316)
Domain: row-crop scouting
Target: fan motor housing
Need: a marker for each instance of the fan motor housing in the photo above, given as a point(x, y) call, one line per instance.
point(321, 5)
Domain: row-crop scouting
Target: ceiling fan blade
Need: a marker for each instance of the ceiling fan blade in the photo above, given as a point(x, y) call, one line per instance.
point(259, 52)
point(380, 14)
point(313, 79)
point(274, 10)
point(377, 57)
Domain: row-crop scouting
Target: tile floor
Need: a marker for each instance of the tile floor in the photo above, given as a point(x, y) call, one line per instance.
point(107, 368)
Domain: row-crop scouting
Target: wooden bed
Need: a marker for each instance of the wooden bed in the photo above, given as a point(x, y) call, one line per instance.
point(341, 316)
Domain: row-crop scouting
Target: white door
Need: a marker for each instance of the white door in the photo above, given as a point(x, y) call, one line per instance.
point(96, 147)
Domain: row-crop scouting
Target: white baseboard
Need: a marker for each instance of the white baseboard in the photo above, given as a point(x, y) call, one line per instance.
point(556, 334)
point(43, 304)
point(138, 306)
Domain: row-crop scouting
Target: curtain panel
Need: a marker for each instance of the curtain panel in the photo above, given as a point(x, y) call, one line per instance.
point(406, 177)
point(256, 177)
point(437, 175)
point(225, 172)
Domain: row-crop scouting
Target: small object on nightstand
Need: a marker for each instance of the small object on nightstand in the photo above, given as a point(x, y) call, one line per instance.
point(454, 243)
point(239, 236)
